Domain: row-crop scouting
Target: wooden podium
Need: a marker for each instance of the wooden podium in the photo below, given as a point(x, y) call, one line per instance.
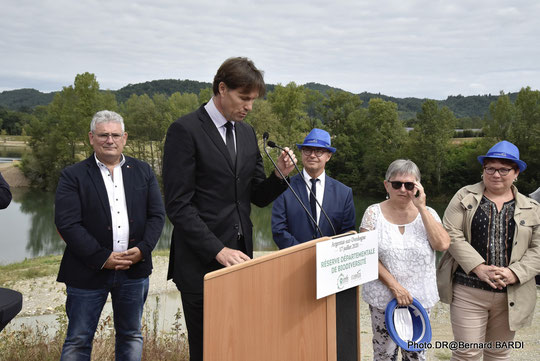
point(266, 309)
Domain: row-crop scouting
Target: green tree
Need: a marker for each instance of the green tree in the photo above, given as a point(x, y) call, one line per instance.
point(59, 131)
point(429, 142)
point(383, 136)
point(501, 116)
point(205, 95)
point(336, 108)
point(289, 108)
point(525, 134)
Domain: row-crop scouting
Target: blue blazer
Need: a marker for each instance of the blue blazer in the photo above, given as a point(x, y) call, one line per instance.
point(83, 218)
point(290, 223)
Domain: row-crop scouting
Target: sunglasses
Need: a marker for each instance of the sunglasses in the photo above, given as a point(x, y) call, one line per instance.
point(397, 185)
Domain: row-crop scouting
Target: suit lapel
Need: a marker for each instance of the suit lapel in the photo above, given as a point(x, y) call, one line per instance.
point(127, 178)
point(210, 129)
point(242, 132)
point(95, 175)
point(326, 204)
point(300, 188)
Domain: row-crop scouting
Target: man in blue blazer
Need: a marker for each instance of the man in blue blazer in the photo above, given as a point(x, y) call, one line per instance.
point(108, 210)
point(290, 223)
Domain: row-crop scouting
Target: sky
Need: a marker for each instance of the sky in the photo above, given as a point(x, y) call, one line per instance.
point(402, 48)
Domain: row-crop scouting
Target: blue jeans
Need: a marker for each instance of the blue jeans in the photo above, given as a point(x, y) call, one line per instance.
point(84, 306)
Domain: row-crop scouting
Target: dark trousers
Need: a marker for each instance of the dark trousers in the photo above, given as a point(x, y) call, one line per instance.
point(192, 303)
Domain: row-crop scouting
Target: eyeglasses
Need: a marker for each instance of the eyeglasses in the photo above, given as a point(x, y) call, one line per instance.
point(102, 137)
point(317, 151)
point(502, 171)
point(397, 185)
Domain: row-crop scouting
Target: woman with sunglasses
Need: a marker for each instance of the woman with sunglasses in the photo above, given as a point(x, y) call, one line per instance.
point(487, 274)
point(408, 234)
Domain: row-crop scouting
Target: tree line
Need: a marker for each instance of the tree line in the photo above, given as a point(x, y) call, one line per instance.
point(367, 136)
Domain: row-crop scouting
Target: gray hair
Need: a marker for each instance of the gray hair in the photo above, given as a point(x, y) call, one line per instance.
point(402, 166)
point(106, 116)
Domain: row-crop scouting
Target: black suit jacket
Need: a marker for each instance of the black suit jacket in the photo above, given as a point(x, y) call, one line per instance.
point(207, 200)
point(5, 194)
point(83, 219)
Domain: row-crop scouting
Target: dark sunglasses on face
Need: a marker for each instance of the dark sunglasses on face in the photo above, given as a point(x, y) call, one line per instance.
point(397, 185)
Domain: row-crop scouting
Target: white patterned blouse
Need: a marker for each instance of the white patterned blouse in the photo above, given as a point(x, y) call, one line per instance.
point(408, 257)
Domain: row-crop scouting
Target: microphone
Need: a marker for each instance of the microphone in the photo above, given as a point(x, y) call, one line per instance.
point(289, 185)
point(271, 144)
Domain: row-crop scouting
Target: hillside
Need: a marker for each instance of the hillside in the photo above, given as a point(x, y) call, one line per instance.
point(461, 106)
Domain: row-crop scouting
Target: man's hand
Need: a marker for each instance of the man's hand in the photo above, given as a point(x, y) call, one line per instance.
point(229, 257)
point(117, 261)
point(284, 162)
point(133, 254)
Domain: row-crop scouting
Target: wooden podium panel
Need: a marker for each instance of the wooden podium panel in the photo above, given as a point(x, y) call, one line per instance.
point(266, 309)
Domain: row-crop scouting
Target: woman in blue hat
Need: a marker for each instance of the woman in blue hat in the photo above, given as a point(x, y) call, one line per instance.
point(408, 235)
point(487, 274)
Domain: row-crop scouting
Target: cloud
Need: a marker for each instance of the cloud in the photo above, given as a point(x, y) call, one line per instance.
point(401, 48)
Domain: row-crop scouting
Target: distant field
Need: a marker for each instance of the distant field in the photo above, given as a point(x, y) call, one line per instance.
point(463, 140)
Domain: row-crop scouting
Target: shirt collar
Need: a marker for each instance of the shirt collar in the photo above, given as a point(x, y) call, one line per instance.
point(321, 177)
point(101, 164)
point(218, 118)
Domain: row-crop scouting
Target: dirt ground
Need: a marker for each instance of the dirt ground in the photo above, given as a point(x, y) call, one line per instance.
point(442, 331)
point(13, 175)
point(44, 295)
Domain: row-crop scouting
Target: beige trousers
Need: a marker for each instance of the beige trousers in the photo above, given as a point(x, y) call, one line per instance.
point(480, 322)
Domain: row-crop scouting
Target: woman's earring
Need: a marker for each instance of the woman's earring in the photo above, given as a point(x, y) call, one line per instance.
point(515, 180)
point(387, 196)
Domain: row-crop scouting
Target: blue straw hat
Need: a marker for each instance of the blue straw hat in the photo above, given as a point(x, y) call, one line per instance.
point(317, 138)
point(504, 150)
point(421, 327)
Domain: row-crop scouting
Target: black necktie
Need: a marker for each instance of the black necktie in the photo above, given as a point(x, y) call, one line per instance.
point(312, 201)
point(230, 141)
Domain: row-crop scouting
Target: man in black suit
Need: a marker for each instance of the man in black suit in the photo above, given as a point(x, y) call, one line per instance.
point(108, 210)
point(212, 172)
point(5, 193)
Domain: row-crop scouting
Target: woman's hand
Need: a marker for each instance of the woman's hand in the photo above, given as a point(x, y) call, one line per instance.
point(505, 276)
point(418, 196)
point(401, 294)
point(490, 275)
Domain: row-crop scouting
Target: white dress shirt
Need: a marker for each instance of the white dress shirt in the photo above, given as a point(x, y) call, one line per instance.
point(319, 190)
point(114, 184)
point(219, 121)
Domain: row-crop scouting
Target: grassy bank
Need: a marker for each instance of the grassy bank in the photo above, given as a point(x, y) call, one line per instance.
point(43, 342)
point(39, 267)
point(36, 343)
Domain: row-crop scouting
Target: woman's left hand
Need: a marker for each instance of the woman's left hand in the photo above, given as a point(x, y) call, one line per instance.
point(417, 195)
point(506, 276)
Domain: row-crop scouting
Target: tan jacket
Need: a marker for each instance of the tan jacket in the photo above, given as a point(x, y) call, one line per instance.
point(524, 261)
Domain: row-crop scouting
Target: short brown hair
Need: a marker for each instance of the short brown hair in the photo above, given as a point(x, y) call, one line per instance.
point(506, 162)
point(239, 73)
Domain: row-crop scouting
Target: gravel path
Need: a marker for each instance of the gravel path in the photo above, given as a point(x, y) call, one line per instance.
point(46, 296)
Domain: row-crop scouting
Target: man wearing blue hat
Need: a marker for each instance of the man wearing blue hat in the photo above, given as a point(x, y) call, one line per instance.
point(290, 223)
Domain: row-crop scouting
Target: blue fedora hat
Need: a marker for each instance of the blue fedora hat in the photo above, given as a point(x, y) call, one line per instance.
point(504, 150)
point(419, 321)
point(317, 138)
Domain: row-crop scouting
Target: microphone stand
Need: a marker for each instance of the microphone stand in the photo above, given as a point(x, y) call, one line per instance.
point(274, 145)
point(291, 188)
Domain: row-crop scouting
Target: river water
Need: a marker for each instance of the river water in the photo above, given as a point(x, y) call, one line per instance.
point(28, 229)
